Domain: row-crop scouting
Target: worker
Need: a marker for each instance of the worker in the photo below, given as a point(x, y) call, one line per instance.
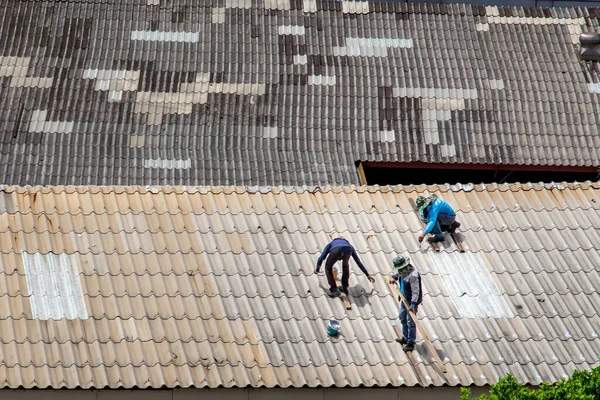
point(339, 249)
point(438, 215)
point(409, 281)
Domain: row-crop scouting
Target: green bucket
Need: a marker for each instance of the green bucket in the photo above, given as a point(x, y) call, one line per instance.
point(333, 327)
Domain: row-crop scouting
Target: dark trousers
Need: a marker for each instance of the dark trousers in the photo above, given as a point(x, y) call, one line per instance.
point(443, 223)
point(335, 255)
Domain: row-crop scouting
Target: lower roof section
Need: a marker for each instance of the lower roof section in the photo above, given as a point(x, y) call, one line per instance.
point(126, 287)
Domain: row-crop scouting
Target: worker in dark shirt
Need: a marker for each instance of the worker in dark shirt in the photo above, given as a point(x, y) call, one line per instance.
point(339, 249)
point(409, 281)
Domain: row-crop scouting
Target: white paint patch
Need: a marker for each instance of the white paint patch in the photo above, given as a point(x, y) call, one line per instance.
point(370, 47)
point(387, 136)
point(115, 95)
point(471, 286)
point(278, 4)
point(16, 68)
point(39, 124)
point(154, 119)
point(379, 42)
point(153, 3)
point(492, 11)
point(355, 7)
point(113, 81)
point(238, 3)
point(479, 27)
point(291, 30)
point(496, 19)
point(309, 6)
point(573, 24)
point(434, 114)
point(594, 87)
point(202, 84)
point(162, 36)
point(218, 15)
point(496, 84)
point(168, 164)
point(137, 141)
point(434, 93)
point(238, 88)
point(30, 81)
point(270, 132)
point(111, 74)
point(322, 80)
point(575, 31)
point(54, 286)
point(443, 104)
point(156, 104)
point(430, 129)
point(448, 150)
point(300, 59)
point(437, 105)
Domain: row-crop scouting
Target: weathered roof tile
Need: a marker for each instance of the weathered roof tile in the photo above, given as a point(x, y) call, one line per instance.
point(303, 59)
point(200, 286)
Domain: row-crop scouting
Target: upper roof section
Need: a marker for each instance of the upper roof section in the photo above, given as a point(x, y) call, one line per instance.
point(293, 92)
point(209, 287)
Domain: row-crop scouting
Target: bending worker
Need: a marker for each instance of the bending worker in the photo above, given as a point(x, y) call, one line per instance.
point(339, 249)
point(409, 281)
point(438, 215)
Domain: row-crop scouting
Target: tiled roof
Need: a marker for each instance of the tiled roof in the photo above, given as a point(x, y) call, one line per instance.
point(292, 92)
point(209, 287)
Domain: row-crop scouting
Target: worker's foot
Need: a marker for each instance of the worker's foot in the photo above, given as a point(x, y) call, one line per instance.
point(343, 289)
point(408, 347)
point(455, 225)
point(334, 293)
point(436, 239)
point(402, 341)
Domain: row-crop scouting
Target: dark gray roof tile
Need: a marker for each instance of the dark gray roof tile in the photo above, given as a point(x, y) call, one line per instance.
point(63, 41)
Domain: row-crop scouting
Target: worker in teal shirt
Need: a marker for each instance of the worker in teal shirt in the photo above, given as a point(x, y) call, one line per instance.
point(438, 215)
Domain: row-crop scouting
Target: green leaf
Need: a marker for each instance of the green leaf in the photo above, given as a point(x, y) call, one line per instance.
point(582, 385)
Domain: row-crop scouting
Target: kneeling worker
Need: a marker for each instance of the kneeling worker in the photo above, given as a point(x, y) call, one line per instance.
point(339, 249)
point(438, 215)
point(409, 281)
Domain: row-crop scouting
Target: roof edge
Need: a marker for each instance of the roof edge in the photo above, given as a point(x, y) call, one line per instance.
point(468, 187)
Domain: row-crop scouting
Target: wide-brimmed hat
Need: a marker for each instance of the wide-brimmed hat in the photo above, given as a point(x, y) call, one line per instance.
point(400, 262)
point(423, 202)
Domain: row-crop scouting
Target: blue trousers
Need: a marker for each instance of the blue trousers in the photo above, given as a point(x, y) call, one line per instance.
point(409, 329)
point(442, 224)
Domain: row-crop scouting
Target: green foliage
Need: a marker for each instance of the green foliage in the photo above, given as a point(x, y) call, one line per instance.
point(582, 385)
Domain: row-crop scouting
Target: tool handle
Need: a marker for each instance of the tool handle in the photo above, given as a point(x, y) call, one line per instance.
point(428, 343)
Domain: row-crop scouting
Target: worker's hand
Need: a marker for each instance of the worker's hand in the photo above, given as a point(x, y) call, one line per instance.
point(316, 271)
point(421, 237)
point(371, 279)
point(391, 280)
point(411, 309)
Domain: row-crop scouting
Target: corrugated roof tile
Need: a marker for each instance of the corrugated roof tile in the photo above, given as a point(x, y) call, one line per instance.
point(199, 286)
point(171, 54)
